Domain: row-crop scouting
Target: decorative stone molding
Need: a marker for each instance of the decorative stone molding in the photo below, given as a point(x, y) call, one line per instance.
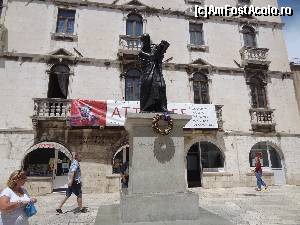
point(64, 37)
point(219, 116)
point(200, 2)
point(3, 38)
point(261, 73)
point(250, 55)
point(51, 110)
point(262, 120)
point(201, 48)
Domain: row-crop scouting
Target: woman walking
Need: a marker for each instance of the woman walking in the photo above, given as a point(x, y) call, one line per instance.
point(258, 173)
point(13, 200)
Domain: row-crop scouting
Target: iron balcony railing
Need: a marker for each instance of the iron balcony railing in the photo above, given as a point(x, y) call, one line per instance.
point(128, 42)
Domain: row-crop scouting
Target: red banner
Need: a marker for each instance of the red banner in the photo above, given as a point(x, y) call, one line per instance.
point(88, 113)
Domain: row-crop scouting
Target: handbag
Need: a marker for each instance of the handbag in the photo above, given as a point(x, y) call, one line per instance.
point(30, 209)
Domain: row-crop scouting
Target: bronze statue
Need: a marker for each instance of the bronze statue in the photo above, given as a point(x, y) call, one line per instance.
point(153, 88)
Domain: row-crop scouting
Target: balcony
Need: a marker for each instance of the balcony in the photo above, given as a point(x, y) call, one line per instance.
point(257, 56)
point(51, 109)
point(262, 119)
point(129, 46)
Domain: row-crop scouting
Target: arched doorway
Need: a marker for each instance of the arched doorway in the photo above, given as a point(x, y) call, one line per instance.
point(270, 159)
point(120, 157)
point(203, 157)
point(48, 159)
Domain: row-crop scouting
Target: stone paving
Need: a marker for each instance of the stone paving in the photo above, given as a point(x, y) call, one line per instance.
point(241, 205)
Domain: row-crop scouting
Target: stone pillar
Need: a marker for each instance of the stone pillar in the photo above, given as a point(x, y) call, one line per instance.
point(157, 185)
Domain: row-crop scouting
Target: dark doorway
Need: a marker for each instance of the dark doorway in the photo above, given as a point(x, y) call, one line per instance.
point(194, 167)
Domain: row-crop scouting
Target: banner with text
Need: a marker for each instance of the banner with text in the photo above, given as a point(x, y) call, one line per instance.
point(203, 115)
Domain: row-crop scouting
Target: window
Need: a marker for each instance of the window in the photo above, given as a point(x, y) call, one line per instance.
point(200, 86)
point(132, 85)
point(249, 36)
point(268, 155)
point(244, 2)
point(65, 21)
point(211, 156)
point(134, 25)
point(258, 93)
point(58, 81)
point(196, 34)
point(1, 6)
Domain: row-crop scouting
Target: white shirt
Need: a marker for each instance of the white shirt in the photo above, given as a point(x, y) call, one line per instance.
point(15, 216)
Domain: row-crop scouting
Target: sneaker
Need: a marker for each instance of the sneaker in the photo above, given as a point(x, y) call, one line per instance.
point(59, 211)
point(257, 189)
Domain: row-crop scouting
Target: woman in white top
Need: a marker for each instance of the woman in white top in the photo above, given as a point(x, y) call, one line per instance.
point(13, 200)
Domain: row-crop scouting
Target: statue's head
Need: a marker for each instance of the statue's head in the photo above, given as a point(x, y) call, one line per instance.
point(146, 41)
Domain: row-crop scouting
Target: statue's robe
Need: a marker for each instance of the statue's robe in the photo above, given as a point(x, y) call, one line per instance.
point(153, 88)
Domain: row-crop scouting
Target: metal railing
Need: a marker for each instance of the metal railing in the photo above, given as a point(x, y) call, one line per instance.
point(128, 42)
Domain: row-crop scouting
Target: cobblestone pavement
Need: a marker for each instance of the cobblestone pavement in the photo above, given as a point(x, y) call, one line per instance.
point(242, 206)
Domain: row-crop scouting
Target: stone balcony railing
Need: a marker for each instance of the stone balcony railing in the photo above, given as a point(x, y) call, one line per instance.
point(262, 119)
point(51, 109)
point(252, 55)
point(129, 45)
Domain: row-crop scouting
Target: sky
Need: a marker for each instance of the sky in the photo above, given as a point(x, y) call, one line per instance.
point(292, 29)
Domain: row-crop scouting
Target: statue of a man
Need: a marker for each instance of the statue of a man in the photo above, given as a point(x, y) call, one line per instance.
point(153, 88)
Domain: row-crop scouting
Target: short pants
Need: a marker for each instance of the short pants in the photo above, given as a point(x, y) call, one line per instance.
point(75, 188)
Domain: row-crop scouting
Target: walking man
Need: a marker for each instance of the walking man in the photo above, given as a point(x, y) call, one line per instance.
point(74, 184)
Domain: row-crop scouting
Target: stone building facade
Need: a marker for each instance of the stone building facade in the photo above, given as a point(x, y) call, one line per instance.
point(55, 51)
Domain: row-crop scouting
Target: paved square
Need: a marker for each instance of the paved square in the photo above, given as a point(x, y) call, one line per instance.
point(241, 205)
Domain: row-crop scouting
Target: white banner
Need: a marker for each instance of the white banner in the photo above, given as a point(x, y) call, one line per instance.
point(203, 115)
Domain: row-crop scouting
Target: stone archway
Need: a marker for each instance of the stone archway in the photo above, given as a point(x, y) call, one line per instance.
point(55, 145)
point(48, 162)
point(272, 159)
point(203, 156)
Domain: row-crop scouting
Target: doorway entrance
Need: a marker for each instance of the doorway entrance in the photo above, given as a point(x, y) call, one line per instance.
point(203, 157)
point(48, 160)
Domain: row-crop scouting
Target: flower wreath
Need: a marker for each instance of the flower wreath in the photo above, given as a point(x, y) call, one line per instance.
point(155, 124)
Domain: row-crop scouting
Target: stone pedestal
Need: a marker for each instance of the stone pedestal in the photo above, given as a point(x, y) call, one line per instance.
point(157, 185)
point(157, 192)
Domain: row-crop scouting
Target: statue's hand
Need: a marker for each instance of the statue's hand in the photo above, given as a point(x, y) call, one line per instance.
point(165, 43)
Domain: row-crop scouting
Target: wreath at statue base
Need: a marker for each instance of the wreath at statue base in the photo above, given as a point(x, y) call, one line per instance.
point(157, 128)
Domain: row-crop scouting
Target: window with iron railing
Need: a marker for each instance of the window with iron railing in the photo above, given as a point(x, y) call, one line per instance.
point(65, 21)
point(134, 28)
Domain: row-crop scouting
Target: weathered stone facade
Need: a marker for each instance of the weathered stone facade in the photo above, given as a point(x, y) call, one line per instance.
point(98, 60)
